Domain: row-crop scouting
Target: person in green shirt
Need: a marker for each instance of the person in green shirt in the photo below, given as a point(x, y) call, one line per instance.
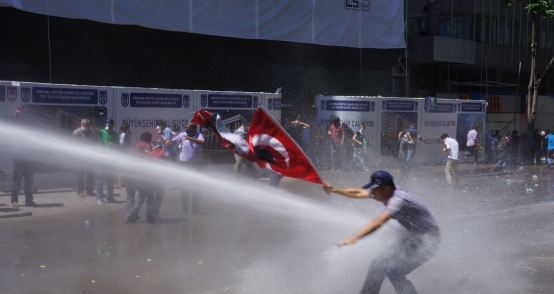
point(108, 136)
point(110, 139)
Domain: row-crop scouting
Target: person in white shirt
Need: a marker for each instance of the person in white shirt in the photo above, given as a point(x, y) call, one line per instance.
point(451, 146)
point(472, 144)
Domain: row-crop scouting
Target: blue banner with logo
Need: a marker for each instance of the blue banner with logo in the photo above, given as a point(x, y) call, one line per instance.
point(472, 107)
point(443, 108)
point(64, 95)
point(156, 100)
point(400, 105)
point(343, 105)
point(229, 101)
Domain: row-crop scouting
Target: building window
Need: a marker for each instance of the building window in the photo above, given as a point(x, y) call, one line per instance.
point(444, 27)
point(505, 32)
point(461, 26)
point(489, 30)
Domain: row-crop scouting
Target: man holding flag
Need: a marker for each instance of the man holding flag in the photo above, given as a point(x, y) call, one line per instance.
point(239, 160)
point(418, 244)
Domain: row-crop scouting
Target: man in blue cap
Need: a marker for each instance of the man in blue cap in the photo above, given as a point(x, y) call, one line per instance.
point(419, 243)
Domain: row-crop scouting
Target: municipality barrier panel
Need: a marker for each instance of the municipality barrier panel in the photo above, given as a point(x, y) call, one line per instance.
point(386, 117)
point(60, 108)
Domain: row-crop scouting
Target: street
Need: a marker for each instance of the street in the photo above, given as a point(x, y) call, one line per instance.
point(496, 238)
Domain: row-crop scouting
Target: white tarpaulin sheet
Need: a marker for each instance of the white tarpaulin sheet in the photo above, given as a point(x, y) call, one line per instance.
point(350, 23)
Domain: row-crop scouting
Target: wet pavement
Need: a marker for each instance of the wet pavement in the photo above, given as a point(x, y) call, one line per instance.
point(497, 237)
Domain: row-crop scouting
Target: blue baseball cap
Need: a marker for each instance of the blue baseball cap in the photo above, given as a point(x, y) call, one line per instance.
point(379, 178)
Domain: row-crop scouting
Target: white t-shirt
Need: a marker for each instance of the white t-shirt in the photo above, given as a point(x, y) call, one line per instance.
point(453, 146)
point(122, 138)
point(471, 136)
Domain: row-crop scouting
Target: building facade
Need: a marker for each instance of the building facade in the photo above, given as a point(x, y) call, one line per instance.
point(472, 47)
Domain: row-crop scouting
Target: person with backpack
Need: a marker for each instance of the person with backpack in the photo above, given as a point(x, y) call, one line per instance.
point(514, 148)
point(337, 135)
point(358, 142)
point(503, 151)
point(549, 141)
point(490, 147)
point(348, 149)
point(410, 135)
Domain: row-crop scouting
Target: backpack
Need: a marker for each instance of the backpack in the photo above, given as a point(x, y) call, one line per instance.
point(501, 145)
point(348, 132)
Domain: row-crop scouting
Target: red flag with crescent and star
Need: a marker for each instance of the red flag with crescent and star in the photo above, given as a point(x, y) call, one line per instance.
point(268, 144)
point(276, 150)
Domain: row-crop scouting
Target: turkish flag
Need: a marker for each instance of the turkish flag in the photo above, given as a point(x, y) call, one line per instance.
point(267, 143)
point(276, 150)
point(214, 123)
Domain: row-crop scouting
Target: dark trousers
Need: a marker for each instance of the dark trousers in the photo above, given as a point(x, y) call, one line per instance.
point(103, 175)
point(513, 157)
point(473, 151)
point(158, 195)
point(22, 170)
point(133, 204)
point(187, 193)
point(239, 162)
point(172, 157)
point(335, 155)
point(398, 261)
point(490, 155)
point(85, 180)
point(537, 154)
point(348, 154)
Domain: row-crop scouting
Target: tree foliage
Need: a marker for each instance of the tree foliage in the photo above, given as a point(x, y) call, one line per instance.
point(537, 9)
point(535, 6)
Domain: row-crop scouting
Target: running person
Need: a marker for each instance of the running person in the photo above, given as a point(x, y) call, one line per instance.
point(419, 243)
point(407, 140)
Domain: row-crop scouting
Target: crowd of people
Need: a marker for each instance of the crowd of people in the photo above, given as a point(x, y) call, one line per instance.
point(346, 151)
point(421, 238)
point(345, 147)
point(502, 150)
point(169, 145)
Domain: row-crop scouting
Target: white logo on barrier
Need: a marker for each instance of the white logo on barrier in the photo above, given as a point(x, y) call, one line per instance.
point(25, 94)
point(124, 99)
point(103, 97)
point(357, 4)
point(12, 94)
